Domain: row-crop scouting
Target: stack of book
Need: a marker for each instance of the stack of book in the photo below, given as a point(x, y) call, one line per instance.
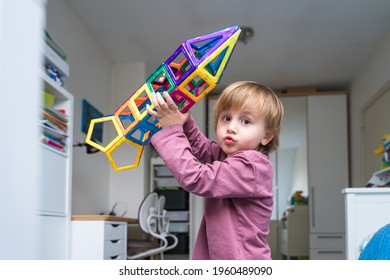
point(54, 125)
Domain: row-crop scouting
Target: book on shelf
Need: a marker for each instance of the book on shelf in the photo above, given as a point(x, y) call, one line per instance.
point(53, 122)
point(55, 59)
point(49, 40)
point(52, 143)
point(48, 99)
point(51, 131)
point(54, 127)
point(59, 114)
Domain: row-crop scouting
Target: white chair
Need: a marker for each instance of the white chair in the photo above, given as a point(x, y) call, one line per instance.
point(153, 221)
point(163, 226)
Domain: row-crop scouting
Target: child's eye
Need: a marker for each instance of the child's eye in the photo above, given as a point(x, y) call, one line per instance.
point(246, 121)
point(226, 118)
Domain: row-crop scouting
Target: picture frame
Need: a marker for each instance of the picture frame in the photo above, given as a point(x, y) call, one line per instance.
point(89, 112)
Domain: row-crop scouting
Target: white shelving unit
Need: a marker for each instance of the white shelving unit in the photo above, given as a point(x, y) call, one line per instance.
point(55, 208)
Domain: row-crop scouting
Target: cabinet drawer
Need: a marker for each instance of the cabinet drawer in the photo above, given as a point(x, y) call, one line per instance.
point(54, 191)
point(327, 241)
point(114, 248)
point(327, 254)
point(114, 230)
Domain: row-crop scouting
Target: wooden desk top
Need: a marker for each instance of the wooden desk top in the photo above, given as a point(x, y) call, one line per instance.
point(104, 218)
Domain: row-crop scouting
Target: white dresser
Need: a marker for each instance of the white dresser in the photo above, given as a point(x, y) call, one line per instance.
point(366, 211)
point(99, 237)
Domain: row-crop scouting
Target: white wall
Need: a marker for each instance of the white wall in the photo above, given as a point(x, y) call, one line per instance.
point(373, 78)
point(90, 78)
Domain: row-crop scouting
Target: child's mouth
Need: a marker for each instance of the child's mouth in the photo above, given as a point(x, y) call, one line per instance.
point(228, 140)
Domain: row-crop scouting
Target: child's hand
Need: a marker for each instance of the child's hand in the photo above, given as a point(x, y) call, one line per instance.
point(166, 110)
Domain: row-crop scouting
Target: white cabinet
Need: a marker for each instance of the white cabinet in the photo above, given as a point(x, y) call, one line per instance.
point(366, 211)
point(54, 211)
point(328, 174)
point(295, 232)
point(99, 240)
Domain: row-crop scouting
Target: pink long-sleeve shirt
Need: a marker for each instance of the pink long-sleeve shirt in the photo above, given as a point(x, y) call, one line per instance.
point(237, 190)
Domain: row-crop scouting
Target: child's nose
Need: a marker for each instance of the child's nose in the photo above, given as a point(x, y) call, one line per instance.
point(232, 128)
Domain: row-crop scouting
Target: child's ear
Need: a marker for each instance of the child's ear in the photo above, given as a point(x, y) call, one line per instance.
point(267, 138)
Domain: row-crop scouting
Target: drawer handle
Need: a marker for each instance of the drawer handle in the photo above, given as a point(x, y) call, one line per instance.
point(114, 257)
point(115, 225)
point(330, 252)
point(330, 237)
point(115, 241)
point(313, 224)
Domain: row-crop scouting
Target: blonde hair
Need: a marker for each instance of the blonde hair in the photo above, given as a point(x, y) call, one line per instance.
point(244, 93)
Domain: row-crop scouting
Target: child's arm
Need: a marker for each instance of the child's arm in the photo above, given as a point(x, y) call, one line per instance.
point(202, 148)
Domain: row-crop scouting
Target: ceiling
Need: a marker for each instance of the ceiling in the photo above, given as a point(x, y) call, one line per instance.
point(296, 43)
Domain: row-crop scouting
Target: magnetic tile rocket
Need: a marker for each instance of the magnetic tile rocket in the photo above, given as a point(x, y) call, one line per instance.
point(191, 72)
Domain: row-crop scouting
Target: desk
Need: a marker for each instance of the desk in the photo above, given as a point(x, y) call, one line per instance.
point(104, 218)
point(99, 237)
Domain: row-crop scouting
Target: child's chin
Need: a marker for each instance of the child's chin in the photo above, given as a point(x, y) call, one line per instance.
point(228, 151)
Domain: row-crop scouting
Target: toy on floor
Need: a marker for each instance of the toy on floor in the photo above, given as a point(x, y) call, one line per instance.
point(190, 73)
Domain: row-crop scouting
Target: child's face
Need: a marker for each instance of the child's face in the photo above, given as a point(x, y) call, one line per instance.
point(240, 130)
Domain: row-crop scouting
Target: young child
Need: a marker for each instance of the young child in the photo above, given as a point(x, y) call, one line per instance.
point(234, 175)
